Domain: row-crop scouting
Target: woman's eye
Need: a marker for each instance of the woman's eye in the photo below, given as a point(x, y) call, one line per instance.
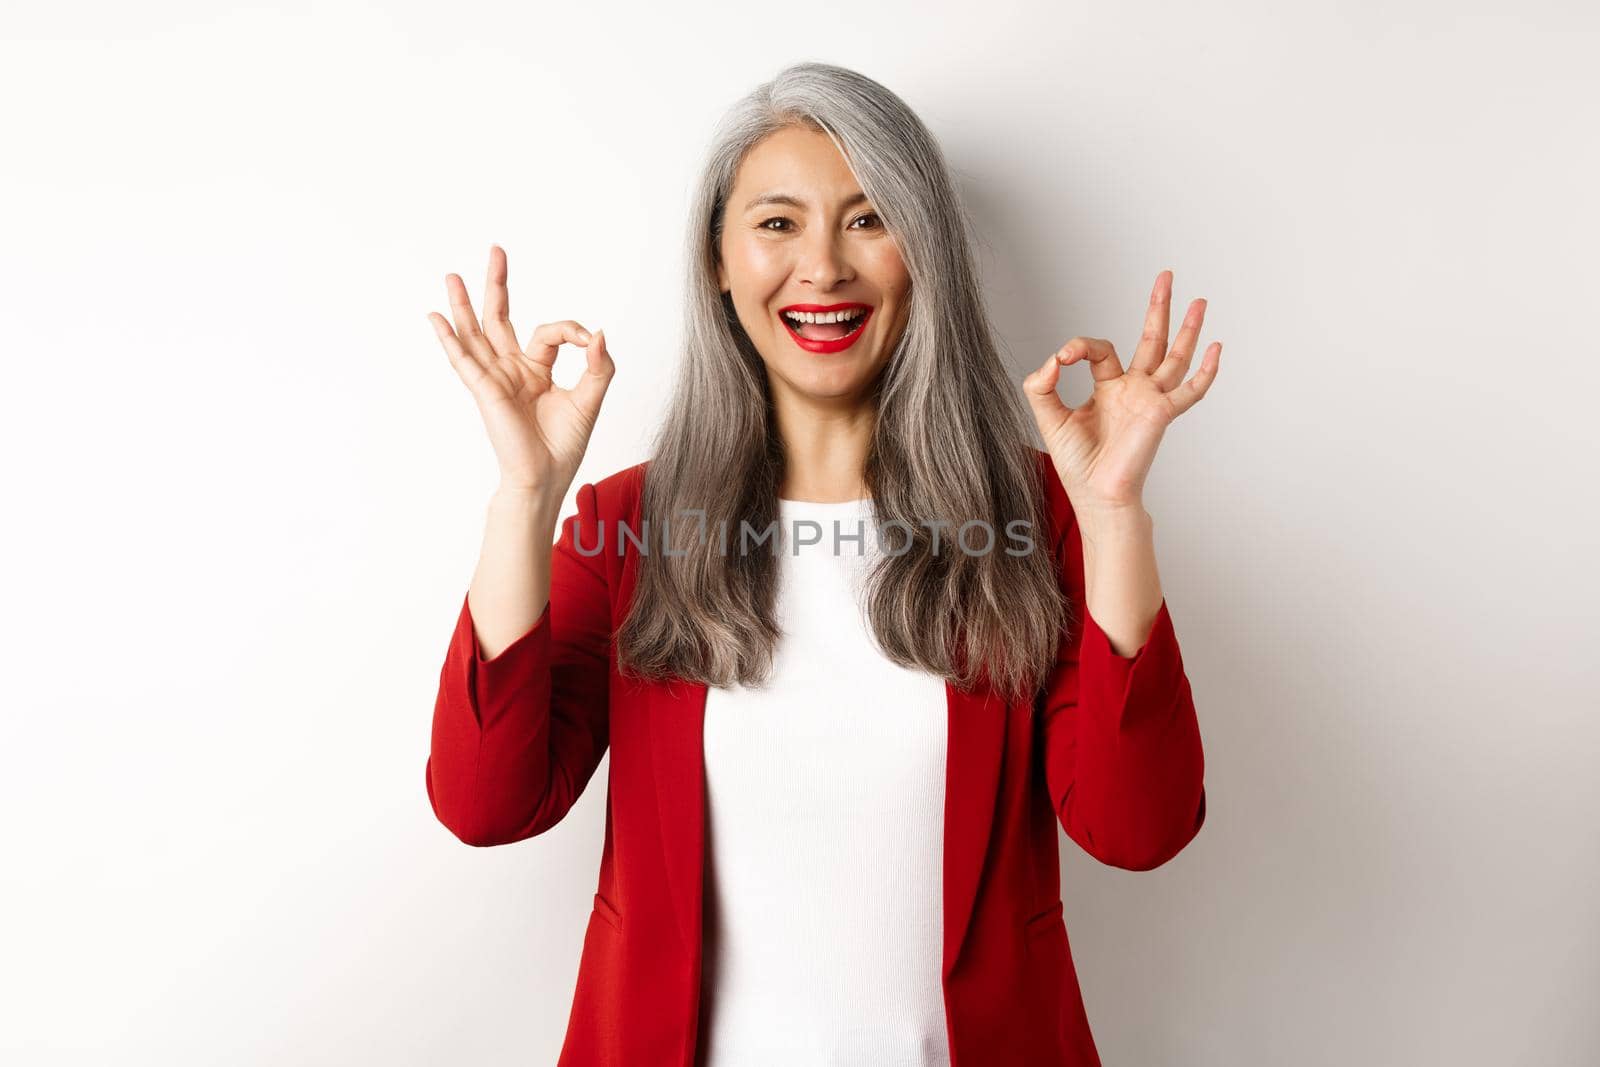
point(767, 224)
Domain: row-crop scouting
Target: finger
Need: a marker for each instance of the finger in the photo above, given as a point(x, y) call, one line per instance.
point(497, 307)
point(597, 373)
point(550, 336)
point(1176, 365)
point(467, 329)
point(1153, 341)
point(1189, 393)
point(1040, 388)
point(1100, 353)
point(465, 364)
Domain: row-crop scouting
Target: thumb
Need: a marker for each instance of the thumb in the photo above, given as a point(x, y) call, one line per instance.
point(597, 372)
point(1040, 388)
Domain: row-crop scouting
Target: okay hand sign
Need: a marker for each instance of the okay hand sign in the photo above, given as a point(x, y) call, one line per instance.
point(1103, 448)
point(539, 431)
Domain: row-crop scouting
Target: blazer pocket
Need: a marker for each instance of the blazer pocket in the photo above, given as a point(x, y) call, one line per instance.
point(1048, 919)
point(604, 909)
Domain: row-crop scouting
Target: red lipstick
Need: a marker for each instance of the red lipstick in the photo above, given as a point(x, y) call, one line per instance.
point(826, 347)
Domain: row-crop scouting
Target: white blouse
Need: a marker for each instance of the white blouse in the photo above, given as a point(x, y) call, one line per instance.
point(825, 824)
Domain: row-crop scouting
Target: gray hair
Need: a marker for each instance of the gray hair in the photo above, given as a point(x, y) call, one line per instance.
point(952, 436)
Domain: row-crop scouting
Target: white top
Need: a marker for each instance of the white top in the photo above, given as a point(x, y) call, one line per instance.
point(825, 829)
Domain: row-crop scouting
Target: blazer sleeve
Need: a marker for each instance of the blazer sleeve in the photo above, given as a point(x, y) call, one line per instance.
point(1122, 754)
point(516, 738)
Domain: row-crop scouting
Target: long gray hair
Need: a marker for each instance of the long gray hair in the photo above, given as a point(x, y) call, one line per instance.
point(952, 438)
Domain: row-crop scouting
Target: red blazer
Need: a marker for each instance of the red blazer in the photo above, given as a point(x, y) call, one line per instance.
point(1112, 755)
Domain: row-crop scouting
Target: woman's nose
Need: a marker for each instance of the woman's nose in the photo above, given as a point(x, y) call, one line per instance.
point(822, 263)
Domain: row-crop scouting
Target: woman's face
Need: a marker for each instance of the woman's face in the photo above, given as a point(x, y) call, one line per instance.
point(822, 244)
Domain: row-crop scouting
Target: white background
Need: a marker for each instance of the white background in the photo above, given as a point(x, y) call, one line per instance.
point(245, 493)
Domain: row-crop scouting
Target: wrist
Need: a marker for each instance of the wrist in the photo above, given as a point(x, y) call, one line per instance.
point(1100, 523)
point(536, 500)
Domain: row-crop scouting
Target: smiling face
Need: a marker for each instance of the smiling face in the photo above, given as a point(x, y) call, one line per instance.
point(798, 232)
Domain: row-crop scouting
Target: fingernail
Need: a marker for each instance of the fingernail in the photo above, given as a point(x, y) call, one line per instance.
point(585, 335)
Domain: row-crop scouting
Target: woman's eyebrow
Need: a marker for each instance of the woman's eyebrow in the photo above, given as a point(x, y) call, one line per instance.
point(796, 202)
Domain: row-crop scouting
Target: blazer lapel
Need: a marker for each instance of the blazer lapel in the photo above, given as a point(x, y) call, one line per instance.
point(972, 776)
point(675, 719)
point(674, 728)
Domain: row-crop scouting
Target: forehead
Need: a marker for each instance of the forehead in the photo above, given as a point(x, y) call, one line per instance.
point(798, 163)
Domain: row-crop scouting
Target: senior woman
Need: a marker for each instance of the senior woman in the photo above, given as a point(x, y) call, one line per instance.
point(838, 761)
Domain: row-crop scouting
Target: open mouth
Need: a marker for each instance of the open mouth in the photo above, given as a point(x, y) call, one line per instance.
point(829, 331)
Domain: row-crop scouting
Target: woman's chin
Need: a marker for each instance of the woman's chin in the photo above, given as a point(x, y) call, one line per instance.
point(843, 379)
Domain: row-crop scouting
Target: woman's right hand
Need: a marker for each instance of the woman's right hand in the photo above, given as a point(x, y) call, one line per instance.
point(538, 429)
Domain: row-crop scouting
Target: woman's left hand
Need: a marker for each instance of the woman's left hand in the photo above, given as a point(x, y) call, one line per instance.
point(1104, 447)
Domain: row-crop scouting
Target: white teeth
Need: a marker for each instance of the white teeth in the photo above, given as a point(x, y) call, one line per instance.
point(825, 316)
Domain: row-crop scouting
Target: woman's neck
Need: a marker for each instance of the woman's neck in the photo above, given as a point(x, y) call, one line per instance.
point(825, 449)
